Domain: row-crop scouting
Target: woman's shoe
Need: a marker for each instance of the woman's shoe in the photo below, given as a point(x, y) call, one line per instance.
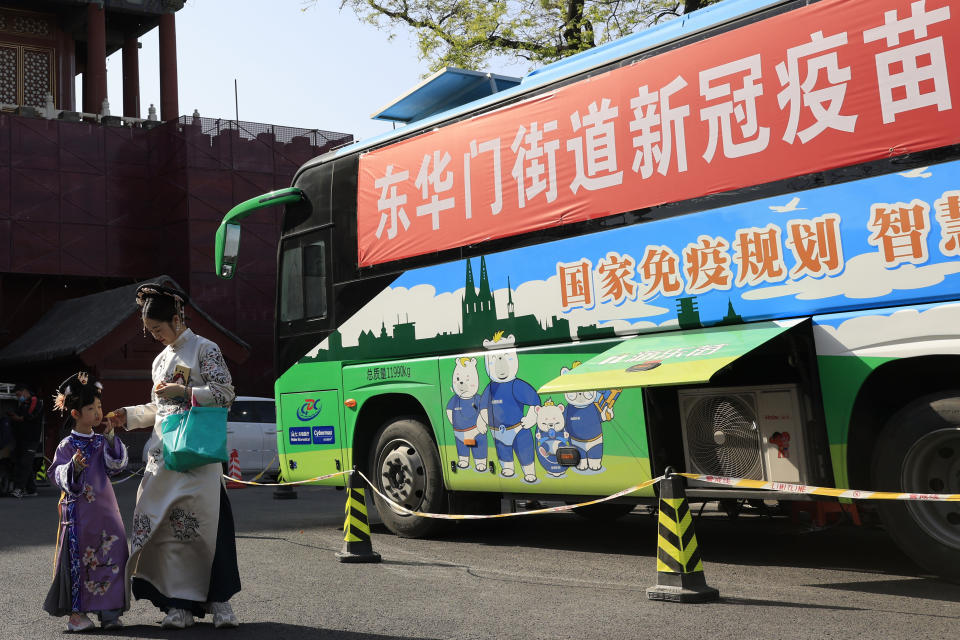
point(223, 615)
point(177, 619)
point(112, 624)
point(79, 623)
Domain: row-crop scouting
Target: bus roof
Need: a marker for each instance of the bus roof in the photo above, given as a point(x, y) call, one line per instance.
point(627, 46)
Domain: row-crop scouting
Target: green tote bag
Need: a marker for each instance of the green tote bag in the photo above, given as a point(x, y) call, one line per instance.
point(194, 438)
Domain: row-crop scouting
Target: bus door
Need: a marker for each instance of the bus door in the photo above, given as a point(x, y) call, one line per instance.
point(311, 438)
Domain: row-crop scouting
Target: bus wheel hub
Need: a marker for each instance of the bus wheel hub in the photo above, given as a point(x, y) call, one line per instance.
point(932, 465)
point(402, 474)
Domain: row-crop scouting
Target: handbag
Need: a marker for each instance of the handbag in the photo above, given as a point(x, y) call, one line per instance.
point(194, 438)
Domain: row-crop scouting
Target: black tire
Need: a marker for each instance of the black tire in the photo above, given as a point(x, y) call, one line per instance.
point(405, 466)
point(604, 511)
point(919, 451)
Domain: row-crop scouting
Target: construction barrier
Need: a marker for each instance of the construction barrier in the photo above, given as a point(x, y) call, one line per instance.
point(680, 575)
point(356, 528)
point(679, 566)
point(233, 472)
point(783, 487)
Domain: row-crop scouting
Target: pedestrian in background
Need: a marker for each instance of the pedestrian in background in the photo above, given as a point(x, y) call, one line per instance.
point(91, 556)
point(27, 422)
point(7, 445)
point(183, 555)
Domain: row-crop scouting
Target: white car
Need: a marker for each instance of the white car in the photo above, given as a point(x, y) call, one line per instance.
point(252, 432)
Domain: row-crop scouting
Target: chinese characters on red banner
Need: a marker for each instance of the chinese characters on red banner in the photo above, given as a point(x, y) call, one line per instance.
point(831, 84)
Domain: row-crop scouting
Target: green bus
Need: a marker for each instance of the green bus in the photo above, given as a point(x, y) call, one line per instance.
point(729, 245)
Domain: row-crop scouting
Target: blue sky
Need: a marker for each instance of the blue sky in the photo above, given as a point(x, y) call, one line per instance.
point(314, 68)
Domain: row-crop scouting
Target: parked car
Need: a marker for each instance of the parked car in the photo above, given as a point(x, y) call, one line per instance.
point(252, 431)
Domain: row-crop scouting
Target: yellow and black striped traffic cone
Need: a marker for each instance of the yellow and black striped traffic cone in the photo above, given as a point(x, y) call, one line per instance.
point(679, 567)
point(356, 528)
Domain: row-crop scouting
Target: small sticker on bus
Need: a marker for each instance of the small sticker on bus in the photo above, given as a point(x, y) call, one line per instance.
point(388, 373)
point(323, 435)
point(299, 435)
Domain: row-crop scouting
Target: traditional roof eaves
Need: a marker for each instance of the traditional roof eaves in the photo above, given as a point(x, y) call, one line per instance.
point(72, 326)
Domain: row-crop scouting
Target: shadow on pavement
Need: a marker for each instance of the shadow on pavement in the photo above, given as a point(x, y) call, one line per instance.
point(753, 541)
point(751, 602)
point(257, 630)
point(926, 588)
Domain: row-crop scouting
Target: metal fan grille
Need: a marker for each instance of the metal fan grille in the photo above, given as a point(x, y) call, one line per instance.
point(723, 439)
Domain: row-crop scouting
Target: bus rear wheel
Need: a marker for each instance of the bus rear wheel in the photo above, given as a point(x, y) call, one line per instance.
point(918, 451)
point(405, 466)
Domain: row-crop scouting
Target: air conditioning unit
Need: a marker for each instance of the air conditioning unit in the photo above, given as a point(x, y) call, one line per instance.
point(744, 432)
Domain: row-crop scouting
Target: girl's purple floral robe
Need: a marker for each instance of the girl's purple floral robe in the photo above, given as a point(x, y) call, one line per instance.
point(91, 554)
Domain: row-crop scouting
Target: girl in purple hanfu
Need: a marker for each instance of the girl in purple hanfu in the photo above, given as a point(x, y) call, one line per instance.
point(91, 554)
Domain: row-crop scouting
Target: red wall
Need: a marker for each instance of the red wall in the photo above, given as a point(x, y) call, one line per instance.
point(86, 207)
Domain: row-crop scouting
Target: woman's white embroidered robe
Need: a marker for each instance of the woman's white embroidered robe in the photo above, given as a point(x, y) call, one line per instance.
point(177, 513)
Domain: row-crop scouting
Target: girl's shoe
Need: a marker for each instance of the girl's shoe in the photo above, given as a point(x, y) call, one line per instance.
point(79, 622)
point(177, 619)
point(116, 623)
point(223, 615)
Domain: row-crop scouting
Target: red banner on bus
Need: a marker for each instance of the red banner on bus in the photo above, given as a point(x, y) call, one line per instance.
point(832, 84)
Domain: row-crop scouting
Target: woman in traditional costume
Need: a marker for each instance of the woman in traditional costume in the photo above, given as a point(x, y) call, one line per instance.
point(183, 555)
point(91, 554)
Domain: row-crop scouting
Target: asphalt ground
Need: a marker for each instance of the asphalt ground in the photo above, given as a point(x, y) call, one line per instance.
point(546, 576)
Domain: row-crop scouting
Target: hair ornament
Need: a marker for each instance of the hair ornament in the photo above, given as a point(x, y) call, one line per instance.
point(76, 391)
point(146, 291)
point(151, 290)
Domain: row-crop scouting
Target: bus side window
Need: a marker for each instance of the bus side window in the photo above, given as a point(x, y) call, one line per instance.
point(291, 283)
point(315, 280)
point(303, 280)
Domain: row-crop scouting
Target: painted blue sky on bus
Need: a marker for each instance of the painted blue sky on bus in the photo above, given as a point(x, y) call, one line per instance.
point(866, 243)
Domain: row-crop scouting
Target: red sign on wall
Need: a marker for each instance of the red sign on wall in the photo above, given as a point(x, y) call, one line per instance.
point(832, 84)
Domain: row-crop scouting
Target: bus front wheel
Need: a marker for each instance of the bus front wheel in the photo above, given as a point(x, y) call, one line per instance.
point(918, 451)
point(405, 466)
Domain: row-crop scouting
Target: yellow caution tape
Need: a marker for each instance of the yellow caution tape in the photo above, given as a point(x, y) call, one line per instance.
point(267, 468)
point(802, 489)
point(287, 484)
point(450, 516)
point(745, 483)
point(138, 472)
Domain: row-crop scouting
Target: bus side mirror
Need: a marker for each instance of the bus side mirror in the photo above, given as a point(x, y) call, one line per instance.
point(231, 249)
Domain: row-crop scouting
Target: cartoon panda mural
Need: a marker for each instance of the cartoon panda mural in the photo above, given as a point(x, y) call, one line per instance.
point(585, 414)
point(463, 410)
point(502, 407)
point(551, 435)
